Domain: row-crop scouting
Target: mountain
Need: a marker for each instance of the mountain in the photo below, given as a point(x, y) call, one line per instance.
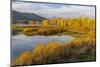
point(25, 16)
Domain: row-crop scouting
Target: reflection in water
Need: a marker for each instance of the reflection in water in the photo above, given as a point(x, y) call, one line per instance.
point(21, 43)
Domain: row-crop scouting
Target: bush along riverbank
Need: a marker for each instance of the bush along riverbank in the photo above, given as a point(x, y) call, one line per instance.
point(78, 50)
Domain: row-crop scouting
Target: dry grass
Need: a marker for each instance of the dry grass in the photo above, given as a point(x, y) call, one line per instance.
point(80, 49)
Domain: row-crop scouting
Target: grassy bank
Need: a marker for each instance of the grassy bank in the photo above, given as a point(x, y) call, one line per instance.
point(56, 26)
point(47, 31)
point(80, 49)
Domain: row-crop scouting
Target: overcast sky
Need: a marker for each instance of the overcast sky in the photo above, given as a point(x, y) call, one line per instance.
point(54, 10)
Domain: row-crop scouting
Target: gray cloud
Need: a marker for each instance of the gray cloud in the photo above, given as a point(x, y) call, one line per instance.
point(50, 11)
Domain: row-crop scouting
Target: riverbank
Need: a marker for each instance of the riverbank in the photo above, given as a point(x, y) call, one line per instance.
point(49, 31)
point(78, 50)
point(22, 43)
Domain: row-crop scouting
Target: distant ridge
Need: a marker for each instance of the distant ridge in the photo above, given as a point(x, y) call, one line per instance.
point(26, 16)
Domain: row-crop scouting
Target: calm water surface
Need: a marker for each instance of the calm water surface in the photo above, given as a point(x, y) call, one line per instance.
point(21, 43)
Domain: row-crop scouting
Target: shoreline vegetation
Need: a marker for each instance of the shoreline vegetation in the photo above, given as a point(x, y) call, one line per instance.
point(82, 48)
point(56, 26)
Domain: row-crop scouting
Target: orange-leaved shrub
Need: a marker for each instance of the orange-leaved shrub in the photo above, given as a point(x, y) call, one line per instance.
point(79, 49)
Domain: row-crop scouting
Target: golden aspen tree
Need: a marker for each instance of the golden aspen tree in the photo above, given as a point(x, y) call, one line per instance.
point(45, 22)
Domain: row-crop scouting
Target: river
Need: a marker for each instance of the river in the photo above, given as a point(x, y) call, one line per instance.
point(21, 43)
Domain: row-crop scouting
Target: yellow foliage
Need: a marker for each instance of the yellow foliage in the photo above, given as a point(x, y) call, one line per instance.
point(45, 22)
point(24, 59)
point(55, 52)
point(27, 30)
